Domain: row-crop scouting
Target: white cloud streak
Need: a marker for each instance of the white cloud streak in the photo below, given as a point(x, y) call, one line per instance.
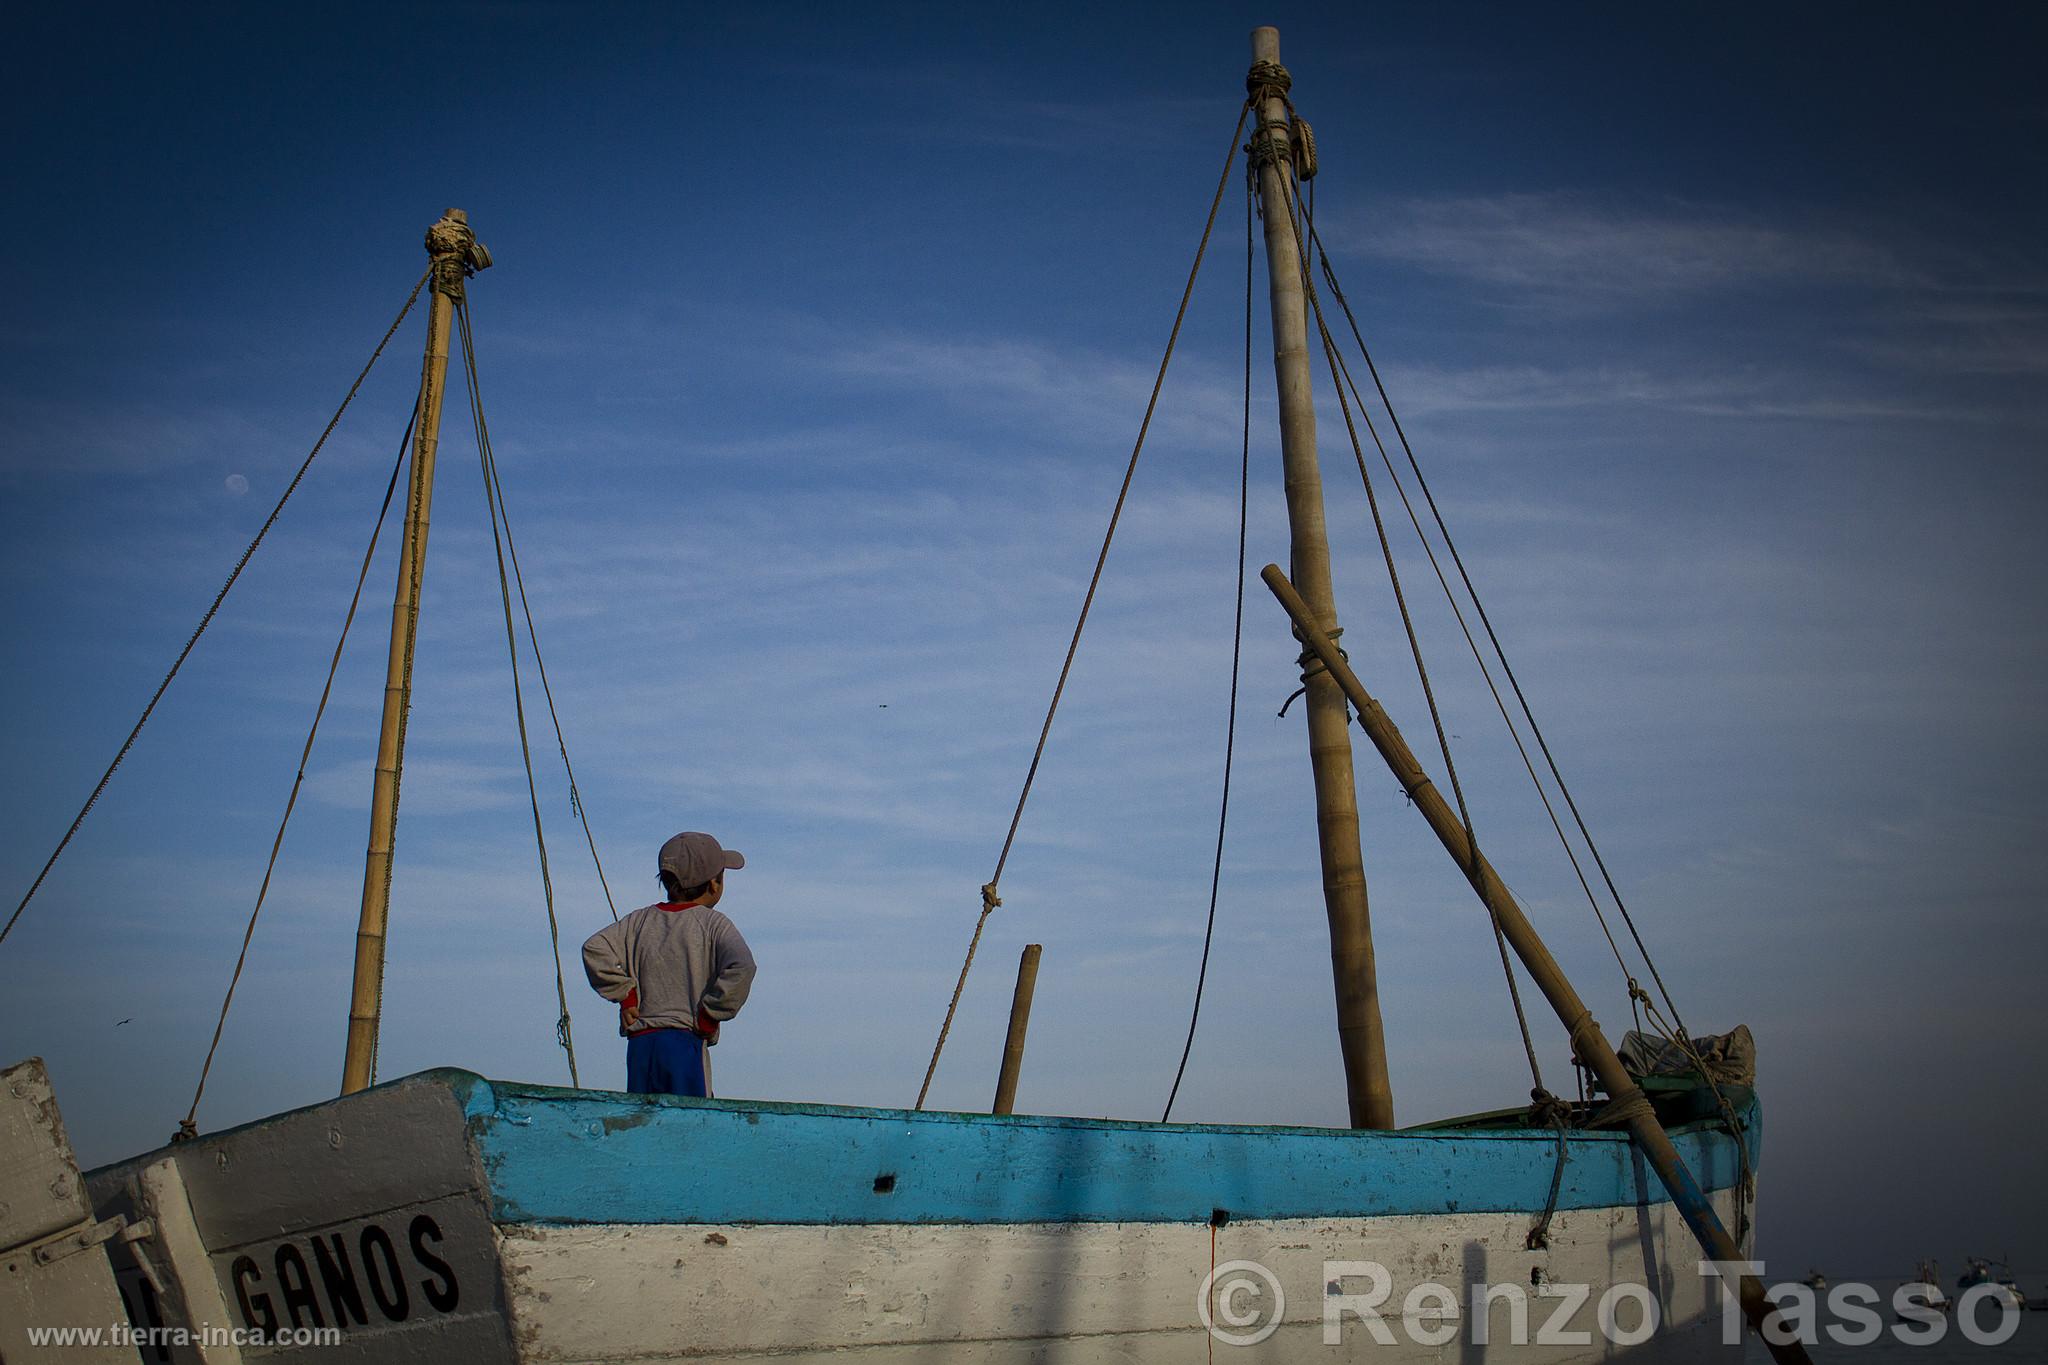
point(1566, 245)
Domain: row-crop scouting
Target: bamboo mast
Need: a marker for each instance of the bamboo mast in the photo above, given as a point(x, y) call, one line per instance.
point(456, 254)
point(1359, 1030)
point(1589, 1044)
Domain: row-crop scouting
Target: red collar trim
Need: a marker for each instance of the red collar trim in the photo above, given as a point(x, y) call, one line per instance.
point(678, 905)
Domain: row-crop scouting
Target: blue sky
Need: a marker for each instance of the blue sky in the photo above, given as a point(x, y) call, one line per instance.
point(814, 350)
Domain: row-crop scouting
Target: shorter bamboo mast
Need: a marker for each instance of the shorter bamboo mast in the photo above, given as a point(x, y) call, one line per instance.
point(1020, 1022)
point(1589, 1044)
point(456, 254)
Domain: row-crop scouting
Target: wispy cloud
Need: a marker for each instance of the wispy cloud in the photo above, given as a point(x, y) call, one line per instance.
point(1982, 335)
point(1564, 244)
point(1737, 394)
point(433, 786)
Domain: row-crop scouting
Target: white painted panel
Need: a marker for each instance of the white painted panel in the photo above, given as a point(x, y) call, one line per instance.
point(1067, 1292)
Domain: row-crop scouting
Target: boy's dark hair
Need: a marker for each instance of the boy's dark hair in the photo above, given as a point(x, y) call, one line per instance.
point(677, 892)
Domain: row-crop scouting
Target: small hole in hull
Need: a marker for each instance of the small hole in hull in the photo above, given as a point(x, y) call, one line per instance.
point(885, 1184)
point(1219, 1217)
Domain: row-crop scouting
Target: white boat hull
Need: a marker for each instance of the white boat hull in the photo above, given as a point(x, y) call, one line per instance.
point(448, 1218)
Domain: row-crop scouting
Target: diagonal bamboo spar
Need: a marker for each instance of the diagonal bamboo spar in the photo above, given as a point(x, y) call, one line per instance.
point(1589, 1044)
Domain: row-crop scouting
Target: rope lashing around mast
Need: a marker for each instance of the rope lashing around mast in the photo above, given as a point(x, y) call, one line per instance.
point(1244, 502)
point(188, 1127)
point(989, 897)
point(213, 609)
point(1271, 81)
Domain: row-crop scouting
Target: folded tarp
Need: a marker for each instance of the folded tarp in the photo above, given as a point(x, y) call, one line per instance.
point(1729, 1058)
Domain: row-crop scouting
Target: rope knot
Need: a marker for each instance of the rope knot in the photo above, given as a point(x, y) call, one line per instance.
point(187, 1131)
point(1547, 1110)
point(1311, 663)
point(1268, 80)
point(456, 251)
point(989, 899)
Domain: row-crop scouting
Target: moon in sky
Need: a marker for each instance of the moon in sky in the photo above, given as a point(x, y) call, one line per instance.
point(237, 484)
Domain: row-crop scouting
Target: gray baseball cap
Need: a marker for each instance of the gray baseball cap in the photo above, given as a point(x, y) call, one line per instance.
point(694, 859)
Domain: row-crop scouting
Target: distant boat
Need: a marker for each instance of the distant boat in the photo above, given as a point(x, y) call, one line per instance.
point(1816, 1281)
point(1982, 1271)
point(1925, 1287)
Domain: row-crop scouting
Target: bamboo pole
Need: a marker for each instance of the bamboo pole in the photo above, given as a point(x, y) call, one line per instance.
point(1360, 1032)
point(1020, 1020)
point(1589, 1044)
point(455, 253)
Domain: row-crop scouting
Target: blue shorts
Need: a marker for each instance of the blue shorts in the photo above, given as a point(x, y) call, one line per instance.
point(667, 1061)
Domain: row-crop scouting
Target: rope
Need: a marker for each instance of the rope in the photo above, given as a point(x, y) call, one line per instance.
point(188, 1127)
point(1267, 80)
point(1630, 1105)
point(989, 899)
point(1244, 499)
point(1507, 669)
point(1337, 375)
point(207, 619)
point(492, 494)
point(1464, 626)
point(1548, 1108)
point(576, 805)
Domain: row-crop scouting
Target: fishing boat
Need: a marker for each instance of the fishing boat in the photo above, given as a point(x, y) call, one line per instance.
point(1925, 1288)
point(2004, 1290)
point(448, 1217)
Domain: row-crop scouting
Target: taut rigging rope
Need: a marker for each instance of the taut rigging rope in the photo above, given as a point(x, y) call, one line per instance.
point(492, 499)
point(1244, 501)
point(989, 899)
point(1538, 1092)
point(1507, 668)
point(188, 1127)
point(218, 598)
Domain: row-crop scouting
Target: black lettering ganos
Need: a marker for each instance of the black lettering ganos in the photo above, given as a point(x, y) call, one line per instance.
point(347, 1279)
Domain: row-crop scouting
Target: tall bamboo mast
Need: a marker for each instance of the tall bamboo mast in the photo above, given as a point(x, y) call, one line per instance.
point(1359, 1030)
point(456, 254)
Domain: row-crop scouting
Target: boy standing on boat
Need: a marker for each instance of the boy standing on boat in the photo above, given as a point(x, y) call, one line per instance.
point(678, 969)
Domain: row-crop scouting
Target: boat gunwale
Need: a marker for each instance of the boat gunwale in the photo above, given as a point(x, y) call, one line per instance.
point(480, 1096)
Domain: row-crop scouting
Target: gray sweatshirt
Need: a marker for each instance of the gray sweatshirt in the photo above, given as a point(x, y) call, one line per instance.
point(671, 961)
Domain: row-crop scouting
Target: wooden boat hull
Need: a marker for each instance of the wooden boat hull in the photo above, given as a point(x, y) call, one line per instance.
point(447, 1217)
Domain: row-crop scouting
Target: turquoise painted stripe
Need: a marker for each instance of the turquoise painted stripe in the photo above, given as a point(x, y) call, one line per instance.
point(566, 1156)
